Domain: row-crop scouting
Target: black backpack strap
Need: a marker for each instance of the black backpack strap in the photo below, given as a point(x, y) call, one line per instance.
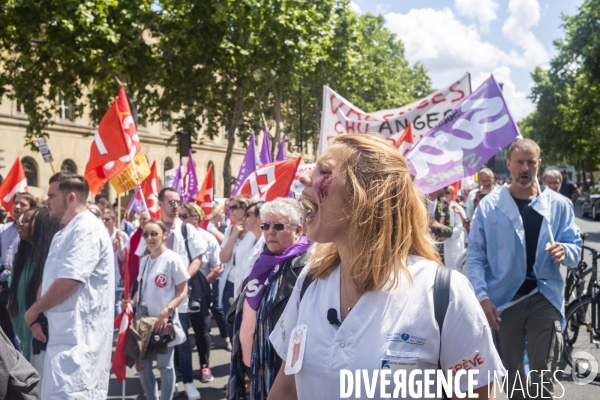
point(441, 300)
point(307, 281)
point(184, 232)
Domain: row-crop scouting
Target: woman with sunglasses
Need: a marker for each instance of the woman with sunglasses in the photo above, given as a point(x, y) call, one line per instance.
point(162, 286)
point(236, 238)
point(264, 298)
point(370, 303)
point(36, 231)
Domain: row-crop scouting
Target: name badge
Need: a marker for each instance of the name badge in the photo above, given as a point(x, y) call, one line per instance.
point(399, 364)
point(295, 354)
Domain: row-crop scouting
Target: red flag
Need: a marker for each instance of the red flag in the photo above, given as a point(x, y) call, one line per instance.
point(119, 364)
point(404, 141)
point(14, 183)
point(115, 143)
point(270, 181)
point(205, 197)
point(150, 188)
point(456, 186)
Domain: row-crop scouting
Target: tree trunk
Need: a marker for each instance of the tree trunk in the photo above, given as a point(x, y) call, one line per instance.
point(232, 125)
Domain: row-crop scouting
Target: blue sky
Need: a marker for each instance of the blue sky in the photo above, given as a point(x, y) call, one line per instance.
point(508, 38)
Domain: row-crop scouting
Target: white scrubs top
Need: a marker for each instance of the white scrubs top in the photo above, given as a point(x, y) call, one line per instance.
point(398, 325)
point(78, 355)
point(160, 278)
point(211, 257)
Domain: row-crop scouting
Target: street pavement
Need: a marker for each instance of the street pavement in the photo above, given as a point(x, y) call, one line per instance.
point(220, 358)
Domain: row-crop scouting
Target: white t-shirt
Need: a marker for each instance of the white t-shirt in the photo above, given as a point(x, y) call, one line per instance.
point(252, 256)
point(233, 268)
point(211, 258)
point(160, 278)
point(384, 326)
point(77, 362)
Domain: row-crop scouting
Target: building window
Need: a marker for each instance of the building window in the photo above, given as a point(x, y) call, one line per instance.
point(166, 125)
point(142, 119)
point(225, 134)
point(31, 171)
point(20, 108)
point(69, 166)
point(65, 109)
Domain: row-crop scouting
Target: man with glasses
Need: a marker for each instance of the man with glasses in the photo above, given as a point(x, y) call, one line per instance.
point(191, 248)
point(440, 219)
point(487, 183)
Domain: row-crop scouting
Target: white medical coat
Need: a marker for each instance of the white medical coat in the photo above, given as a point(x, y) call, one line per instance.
point(454, 246)
point(395, 325)
point(78, 355)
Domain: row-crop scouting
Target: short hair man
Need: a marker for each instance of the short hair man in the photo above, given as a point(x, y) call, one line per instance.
point(487, 183)
point(440, 218)
point(552, 178)
point(514, 268)
point(568, 188)
point(9, 243)
point(77, 297)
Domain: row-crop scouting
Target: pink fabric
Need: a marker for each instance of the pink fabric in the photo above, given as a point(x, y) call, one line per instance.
point(247, 332)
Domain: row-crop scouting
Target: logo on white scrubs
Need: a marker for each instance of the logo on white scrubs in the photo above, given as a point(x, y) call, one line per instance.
point(405, 337)
point(161, 280)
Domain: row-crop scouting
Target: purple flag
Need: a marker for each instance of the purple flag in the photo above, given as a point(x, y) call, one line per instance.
point(135, 204)
point(265, 150)
point(460, 144)
point(190, 187)
point(281, 152)
point(178, 180)
point(248, 166)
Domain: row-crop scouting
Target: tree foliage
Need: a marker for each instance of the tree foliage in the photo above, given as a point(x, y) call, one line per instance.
point(567, 94)
point(203, 65)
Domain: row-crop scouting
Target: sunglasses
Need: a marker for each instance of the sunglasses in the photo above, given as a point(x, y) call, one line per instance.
point(248, 214)
point(106, 219)
point(276, 226)
point(174, 203)
point(186, 216)
point(233, 208)
point(449, 193)
point(151, 233)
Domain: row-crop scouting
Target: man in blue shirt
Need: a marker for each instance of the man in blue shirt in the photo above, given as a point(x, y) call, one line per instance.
point(569, 188)
point(514, 269)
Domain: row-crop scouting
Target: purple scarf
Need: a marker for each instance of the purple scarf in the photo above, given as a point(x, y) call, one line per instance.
point(265, 268)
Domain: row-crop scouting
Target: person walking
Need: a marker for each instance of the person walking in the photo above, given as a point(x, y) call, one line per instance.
point(77, 297)
point(514, 269)
point(9, 243)
point(454, 246)
point(487, 183)
point(162, 283)
point(264, 298)
point(369, 301)
point(36, 231)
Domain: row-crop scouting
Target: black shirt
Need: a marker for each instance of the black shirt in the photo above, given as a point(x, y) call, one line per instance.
point(532, 223)
point(567, 189)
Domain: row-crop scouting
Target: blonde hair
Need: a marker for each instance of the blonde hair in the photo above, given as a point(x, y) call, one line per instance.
point(387, 213)
point(241, 199)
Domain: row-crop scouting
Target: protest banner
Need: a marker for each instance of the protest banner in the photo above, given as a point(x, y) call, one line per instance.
point(340, 117)
point(473, 132)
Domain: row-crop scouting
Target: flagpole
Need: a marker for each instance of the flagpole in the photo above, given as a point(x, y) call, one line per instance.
point(123, 385)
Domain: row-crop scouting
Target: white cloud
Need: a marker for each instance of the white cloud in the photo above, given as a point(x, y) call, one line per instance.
point(355, 7)
point(518, 103)
point(442, 43)
point(482, 10)
point(523, 15)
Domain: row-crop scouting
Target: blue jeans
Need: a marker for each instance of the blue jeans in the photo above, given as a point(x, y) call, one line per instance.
point(227, 293)
point(164, 363)
point(185, 351)
point(217, 311)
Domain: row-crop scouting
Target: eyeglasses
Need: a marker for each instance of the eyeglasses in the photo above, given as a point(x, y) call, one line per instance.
point(174, 203)
point(106, 219)
point(186, 216)
point(233, 208)
point(248, 214)
point(151, 233)
point(277, 226)
point(449, 193)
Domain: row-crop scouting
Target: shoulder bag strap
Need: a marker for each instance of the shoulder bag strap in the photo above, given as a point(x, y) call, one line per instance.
point(184, 232)
point(441, 299)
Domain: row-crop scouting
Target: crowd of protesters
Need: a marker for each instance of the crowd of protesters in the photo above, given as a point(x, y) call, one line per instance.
point(346, 247)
